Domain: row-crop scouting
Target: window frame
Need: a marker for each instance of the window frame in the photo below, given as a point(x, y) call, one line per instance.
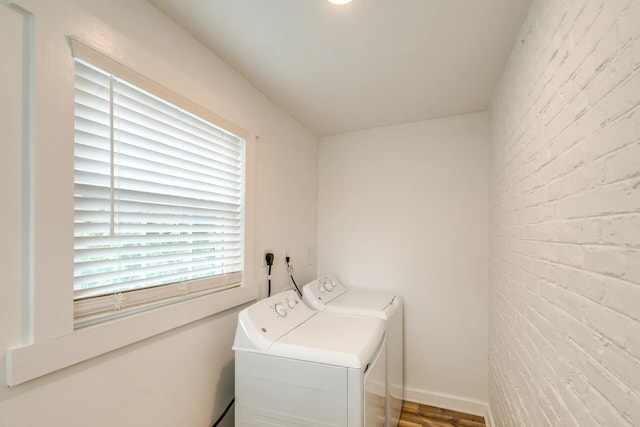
point(48, 327)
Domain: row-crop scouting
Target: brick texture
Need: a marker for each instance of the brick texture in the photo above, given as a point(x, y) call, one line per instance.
point(565, 223)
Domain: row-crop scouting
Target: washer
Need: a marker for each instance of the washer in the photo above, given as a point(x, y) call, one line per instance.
point(298, 367)
point(328, 294)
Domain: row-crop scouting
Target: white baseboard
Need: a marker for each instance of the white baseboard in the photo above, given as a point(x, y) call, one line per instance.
point(452, 402)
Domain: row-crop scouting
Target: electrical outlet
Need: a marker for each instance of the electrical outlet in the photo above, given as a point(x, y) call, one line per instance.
point(308, 259)
point(264, 256)
point(286, 253)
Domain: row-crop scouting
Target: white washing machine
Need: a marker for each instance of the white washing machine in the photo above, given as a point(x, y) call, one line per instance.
point(328, 294)
point(298, 367)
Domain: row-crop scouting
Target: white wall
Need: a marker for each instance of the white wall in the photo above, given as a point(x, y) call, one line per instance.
point(404, 209)
point(565, 197)
point(183, 377)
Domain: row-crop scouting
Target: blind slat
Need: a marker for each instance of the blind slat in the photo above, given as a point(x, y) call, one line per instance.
point(166, 219)
point(156, 249)
point(120, 228)
point(88, 242)
point(86, 204)
point(152, 264)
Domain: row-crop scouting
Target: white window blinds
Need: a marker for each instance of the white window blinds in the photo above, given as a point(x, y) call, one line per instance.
point(159, 199)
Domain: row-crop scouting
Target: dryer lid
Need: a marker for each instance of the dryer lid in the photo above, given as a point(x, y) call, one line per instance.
point(362, 303)
point(332, 339)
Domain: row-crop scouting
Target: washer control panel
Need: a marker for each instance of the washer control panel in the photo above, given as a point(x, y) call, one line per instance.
point(285, 304)
point(322, 291)
point(271, 318)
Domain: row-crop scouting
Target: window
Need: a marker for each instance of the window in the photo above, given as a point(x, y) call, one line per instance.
point(44, 267)
point(158, 200)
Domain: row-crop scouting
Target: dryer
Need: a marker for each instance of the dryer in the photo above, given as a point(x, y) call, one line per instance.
point(298, 367)
point(328, 295)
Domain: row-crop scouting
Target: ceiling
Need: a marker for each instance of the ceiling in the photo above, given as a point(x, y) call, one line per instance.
point(369, 63)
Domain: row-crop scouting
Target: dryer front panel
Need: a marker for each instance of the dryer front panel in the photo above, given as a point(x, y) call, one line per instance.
point(375, 390)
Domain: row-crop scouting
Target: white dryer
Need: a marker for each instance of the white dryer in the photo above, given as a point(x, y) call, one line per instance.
point(329, 295)
point(298, 367)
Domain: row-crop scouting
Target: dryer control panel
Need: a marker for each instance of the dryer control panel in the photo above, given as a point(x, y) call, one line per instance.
point(321, 291)
point(260, 325)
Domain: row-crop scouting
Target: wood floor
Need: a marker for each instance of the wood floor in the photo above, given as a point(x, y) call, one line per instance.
point(416, 415)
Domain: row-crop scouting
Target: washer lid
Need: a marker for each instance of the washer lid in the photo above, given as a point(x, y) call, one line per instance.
point(282, 325)
point(332, 339)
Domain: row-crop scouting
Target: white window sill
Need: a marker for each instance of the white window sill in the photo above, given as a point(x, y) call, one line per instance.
point(31, 361)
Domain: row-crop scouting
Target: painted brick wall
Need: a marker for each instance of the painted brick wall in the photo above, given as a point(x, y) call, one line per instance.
point(565, 197)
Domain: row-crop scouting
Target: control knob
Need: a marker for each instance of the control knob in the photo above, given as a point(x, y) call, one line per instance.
point(281, 309)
